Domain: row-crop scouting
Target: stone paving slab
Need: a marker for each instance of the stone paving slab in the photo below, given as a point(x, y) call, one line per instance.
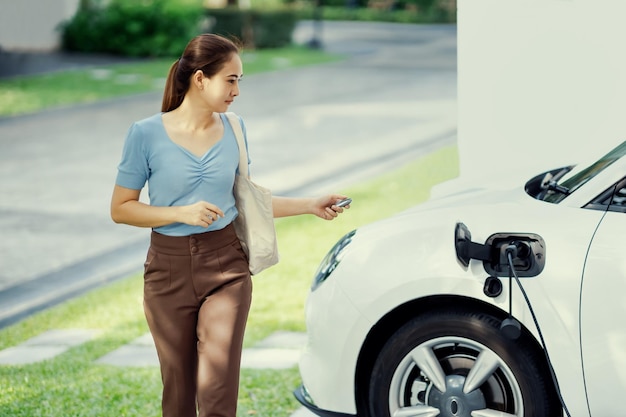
point(284, 339)
point(139, 352)
point(269, 358)
point(45, 346)
point(281, 350)
point(303, 412)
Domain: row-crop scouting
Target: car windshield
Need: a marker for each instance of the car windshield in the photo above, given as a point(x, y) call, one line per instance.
point(578, 176)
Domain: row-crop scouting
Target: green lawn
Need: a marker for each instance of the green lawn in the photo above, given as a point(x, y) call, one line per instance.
point(73, 385)
point(30, 94)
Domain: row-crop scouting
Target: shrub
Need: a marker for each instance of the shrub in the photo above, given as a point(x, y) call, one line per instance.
point(398, 11)
point(257, 28)
point(132, 28)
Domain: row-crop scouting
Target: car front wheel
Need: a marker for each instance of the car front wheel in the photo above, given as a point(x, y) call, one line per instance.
point(458, 364)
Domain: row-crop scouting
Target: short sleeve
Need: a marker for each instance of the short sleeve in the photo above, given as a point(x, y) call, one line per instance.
point(133, 171)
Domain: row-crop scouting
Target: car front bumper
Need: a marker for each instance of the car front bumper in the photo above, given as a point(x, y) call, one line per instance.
point(335, 334)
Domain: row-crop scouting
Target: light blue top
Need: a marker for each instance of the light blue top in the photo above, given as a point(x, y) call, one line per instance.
point(177, 177)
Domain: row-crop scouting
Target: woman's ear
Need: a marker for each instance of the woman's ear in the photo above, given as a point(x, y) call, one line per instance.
point(197, 79)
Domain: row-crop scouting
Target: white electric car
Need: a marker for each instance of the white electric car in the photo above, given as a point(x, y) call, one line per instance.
point(485, 303)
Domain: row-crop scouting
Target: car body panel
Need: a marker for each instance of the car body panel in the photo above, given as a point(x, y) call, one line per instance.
point(411, 256)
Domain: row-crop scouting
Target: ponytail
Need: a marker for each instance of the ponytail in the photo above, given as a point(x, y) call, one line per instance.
point(171, 96)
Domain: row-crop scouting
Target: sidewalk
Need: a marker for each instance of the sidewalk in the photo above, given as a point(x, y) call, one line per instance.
point(14, 64)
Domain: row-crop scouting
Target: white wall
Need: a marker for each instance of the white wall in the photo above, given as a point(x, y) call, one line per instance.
point(31, 25)
point(540, 82)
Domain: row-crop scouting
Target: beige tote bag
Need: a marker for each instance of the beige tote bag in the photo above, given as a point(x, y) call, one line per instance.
point(255, 223)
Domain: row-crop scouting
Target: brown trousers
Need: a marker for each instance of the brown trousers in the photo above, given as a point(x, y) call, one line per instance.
point(197, 293)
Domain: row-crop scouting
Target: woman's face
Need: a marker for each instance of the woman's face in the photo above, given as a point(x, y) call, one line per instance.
point(221, 89)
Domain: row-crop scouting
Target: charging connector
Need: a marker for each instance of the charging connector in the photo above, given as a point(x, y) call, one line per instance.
point(510, 327)
point(511, 250)
point(526, 249)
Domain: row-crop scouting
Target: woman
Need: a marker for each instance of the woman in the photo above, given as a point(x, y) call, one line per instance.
point(197, 286)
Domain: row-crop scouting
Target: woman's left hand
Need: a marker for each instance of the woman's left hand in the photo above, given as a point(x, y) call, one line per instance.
point(325, 208)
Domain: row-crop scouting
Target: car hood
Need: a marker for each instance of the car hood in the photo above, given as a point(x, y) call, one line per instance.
point(472, 199)
point(425, 233)
point(422, 238)
point(431, 224)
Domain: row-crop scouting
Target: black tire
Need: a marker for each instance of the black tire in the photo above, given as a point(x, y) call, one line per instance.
point(441, 350)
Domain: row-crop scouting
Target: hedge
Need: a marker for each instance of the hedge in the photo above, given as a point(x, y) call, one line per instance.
point(256, 28)
point(130, 28)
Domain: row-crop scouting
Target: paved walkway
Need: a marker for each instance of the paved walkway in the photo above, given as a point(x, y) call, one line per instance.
point(280, 350)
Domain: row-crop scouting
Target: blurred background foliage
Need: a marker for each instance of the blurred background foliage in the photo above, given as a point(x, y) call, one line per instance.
point(162, 28)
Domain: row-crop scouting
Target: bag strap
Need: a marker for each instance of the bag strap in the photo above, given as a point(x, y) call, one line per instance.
point(243, 152)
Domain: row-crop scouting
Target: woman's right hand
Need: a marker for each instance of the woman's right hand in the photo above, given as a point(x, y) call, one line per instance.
point(201, 214)
point(126, 208)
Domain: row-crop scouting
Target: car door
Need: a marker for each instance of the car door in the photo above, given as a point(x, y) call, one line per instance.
point(603, 307)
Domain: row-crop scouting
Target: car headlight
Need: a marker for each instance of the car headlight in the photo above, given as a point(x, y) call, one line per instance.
point(331, 260)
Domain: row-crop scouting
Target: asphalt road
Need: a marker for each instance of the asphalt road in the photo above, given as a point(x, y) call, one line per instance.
point(311, 130)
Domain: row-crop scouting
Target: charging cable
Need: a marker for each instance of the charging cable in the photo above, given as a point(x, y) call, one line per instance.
point(511, 252)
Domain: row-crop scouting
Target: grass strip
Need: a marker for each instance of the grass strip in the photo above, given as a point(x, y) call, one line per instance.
point(34, 93)
point(72, 385)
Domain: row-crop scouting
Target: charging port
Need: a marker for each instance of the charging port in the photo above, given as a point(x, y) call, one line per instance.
point(528, 251)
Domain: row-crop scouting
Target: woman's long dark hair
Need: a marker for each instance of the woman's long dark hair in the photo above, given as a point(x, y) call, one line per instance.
point(207, 52)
